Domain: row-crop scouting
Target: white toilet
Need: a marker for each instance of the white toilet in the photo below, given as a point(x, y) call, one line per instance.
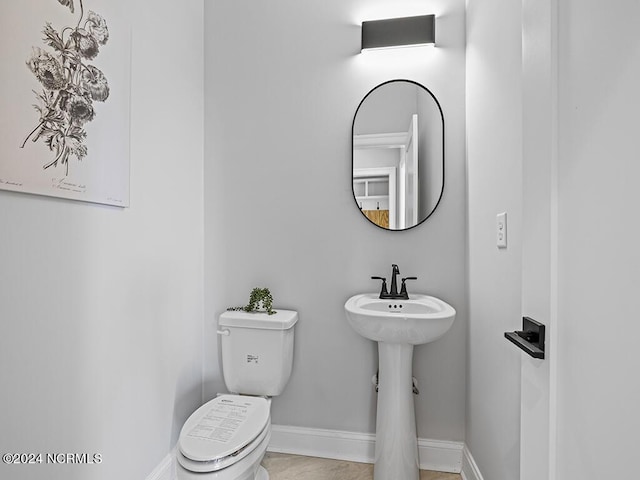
point(226, 438)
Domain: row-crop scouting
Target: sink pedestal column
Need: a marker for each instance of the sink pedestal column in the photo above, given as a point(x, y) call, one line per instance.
point(396, 440)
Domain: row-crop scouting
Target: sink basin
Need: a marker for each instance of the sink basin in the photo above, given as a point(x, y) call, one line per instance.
point(421, 319)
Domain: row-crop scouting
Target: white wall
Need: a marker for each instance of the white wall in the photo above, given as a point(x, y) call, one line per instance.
point(598, 238)
point(539, 231)
point(283, 81)
point(494, 162)
point(101, 308)
point(595, 395)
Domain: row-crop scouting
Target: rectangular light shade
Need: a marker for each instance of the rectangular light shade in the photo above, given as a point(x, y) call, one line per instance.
point(398, 32)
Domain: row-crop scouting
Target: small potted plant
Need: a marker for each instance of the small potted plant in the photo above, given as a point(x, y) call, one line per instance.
point(259, 297)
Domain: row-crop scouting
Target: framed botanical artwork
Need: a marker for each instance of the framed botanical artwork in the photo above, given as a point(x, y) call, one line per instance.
point(65, 99)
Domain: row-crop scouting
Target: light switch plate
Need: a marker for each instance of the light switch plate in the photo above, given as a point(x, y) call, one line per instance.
point(501, 230)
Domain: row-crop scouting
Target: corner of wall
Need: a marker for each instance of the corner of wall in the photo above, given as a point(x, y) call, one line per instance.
point(470, 470)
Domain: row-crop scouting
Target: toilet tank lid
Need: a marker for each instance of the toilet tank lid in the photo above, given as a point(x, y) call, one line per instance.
point(281, 320)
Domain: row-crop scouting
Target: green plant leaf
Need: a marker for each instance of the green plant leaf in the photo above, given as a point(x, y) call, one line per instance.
point(258, 297)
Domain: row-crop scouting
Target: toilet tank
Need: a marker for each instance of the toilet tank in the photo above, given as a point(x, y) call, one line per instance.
point(257, 351)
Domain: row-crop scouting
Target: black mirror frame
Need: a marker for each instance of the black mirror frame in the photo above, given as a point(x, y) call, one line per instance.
point(353, 123)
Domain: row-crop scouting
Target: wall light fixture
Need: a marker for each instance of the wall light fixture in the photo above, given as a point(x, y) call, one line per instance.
point(399, 32)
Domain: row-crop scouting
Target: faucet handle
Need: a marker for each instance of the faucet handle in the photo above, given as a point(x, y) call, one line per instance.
point(403, 287)
point(383, 291)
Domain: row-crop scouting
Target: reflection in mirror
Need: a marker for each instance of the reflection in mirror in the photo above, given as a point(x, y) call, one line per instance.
point(398, 154)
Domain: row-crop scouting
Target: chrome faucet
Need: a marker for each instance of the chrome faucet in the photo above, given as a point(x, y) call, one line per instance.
point(403, 295)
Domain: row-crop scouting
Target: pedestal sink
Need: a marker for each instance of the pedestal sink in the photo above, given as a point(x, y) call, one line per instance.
point(397, 325)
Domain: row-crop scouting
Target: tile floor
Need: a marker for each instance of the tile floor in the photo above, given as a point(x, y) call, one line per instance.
point(296, 467)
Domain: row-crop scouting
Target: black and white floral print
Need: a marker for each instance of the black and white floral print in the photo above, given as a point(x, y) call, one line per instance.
point(67, 3)
point(70, 85)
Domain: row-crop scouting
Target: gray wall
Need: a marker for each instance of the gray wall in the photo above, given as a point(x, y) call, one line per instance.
point(591, 251)
point(101, 308)
point(598, 392)
point(494, 169)
point(430, 148)
point(283, 80)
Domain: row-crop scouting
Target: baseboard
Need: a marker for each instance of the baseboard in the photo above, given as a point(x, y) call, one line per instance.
point(165, 469)
point(470, 470)
point(316, 442)
point(439, 455)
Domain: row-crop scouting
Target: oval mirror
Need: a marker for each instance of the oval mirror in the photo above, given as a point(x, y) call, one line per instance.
point(398, 154)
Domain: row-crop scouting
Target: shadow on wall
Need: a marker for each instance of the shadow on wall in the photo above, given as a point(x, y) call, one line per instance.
point(183, 404)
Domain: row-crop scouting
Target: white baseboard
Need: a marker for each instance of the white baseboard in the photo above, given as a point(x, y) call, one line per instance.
point(165, 469)
point(439, 455)
point(316, 442)
point(470, 470)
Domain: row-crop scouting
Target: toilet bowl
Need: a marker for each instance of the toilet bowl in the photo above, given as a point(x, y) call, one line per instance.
point(227, 437)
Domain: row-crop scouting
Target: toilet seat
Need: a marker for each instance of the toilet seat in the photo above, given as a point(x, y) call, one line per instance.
point(223, 431)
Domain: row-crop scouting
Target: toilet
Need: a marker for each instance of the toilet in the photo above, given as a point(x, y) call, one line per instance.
point(227, 437)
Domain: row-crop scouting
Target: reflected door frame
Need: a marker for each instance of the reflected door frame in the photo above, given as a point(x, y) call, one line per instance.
point(407, 171)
